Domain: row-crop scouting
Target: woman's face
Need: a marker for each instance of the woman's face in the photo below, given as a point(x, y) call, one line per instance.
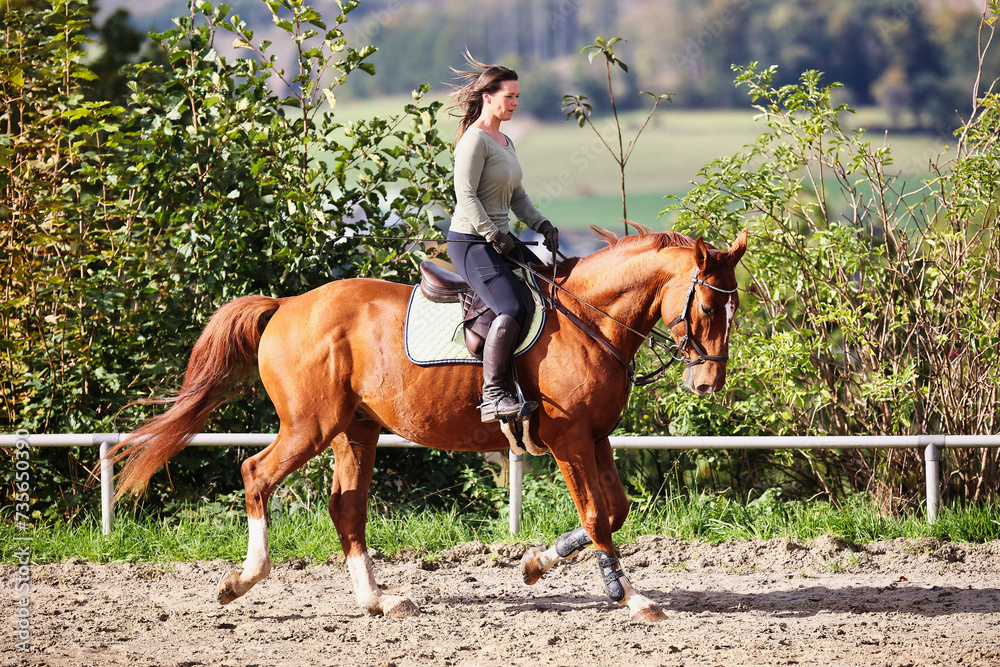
point(502, 103)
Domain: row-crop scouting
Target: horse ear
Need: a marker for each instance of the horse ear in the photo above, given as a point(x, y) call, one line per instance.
point(737, 249)
point(700, 254)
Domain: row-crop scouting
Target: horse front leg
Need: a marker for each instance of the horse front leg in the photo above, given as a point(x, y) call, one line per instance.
point(593, 481)
point(619, 589)
point(536, 562)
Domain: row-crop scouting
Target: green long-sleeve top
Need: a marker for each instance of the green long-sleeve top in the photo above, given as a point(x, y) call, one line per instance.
point(488, 186)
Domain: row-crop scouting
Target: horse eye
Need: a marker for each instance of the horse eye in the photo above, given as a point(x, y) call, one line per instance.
point(708, 311)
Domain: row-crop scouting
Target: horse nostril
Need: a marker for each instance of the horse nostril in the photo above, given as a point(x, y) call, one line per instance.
point(705, 389)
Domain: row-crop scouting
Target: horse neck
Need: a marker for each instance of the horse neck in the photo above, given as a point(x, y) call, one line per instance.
point(628, 286)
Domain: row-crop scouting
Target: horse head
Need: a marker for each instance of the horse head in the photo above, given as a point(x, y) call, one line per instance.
point(700, 306)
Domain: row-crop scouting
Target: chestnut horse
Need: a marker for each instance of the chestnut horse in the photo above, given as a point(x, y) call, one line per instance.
point(332, 362)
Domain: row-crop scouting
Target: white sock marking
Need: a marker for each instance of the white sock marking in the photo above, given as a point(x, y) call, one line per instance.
point(366, 590)
point(258, 560)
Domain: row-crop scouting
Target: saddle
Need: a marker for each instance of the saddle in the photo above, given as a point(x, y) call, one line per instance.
point(440, 285)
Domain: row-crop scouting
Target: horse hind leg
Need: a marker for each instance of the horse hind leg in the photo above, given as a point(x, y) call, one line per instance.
point(234, 583)
point(354, 452)
point(261, 474)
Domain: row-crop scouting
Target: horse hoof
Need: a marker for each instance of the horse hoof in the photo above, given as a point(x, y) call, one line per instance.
point(650, 614)
point(227, 587)
point(531, 565)
point(399, 607)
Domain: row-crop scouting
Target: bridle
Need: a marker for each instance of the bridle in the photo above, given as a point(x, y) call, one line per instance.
point(683, 317)
point(658, 341)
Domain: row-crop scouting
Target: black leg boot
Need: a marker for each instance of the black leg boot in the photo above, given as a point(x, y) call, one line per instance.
point(497, 355)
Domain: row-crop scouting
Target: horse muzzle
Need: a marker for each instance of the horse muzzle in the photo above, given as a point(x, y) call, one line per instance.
point(705, 377)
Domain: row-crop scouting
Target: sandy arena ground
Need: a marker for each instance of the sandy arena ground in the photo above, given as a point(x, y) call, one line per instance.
point(748, 603)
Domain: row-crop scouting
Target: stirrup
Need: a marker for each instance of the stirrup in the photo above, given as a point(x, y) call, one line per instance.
point(491, 412)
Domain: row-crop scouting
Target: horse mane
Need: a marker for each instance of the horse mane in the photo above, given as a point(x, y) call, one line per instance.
point(645, 239)
point(659, 240)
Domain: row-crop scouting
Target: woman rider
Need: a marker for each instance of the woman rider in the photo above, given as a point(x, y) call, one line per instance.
point(487, 186)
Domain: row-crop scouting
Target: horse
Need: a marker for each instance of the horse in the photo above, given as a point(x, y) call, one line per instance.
point(333, 364)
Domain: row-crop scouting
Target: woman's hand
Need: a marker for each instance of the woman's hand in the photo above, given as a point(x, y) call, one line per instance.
point(503, 243)
point(551, 235)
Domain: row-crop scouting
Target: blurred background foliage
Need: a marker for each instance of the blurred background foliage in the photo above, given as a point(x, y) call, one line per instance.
point(147, 181)
point(914, 58)
point(127, 225)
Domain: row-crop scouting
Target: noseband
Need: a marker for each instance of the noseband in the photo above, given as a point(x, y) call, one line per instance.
point(685, 318)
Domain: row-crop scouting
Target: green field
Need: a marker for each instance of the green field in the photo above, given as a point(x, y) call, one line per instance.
point(606, 211)
point(574, 180)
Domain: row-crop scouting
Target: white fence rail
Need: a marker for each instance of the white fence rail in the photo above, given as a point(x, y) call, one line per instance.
point(931, 444)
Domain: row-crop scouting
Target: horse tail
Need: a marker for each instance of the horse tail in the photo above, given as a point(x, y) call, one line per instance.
point(223, 358)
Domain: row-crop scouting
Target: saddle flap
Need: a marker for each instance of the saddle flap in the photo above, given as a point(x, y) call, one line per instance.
point(439, 284)
point(477, 318)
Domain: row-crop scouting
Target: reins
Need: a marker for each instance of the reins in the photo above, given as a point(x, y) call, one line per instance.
point(657, 340)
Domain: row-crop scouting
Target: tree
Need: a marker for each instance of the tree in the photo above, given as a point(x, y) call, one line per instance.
point(578, 106)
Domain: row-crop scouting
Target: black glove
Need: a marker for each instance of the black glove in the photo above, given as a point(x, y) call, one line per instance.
point(551, 235)
point(503, 243)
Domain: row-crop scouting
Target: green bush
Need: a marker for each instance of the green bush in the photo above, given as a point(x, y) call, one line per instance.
point(871, 304)
point(125, 228)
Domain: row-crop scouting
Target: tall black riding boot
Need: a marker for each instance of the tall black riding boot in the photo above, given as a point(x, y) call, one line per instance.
point(497, 356)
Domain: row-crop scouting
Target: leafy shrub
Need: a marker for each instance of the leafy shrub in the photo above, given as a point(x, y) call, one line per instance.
point(872, 304)
point(126, 228)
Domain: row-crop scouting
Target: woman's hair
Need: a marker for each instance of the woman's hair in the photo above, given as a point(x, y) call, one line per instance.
point(472, 83)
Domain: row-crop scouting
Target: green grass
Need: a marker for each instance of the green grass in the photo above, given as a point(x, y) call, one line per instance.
point(859, 521)
point(207, 534)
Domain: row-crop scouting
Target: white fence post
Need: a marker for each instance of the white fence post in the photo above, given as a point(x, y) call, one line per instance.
point(107, 481)
point(515, 475)
point(933, 476)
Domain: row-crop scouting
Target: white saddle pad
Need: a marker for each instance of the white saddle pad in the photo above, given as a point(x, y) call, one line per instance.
point(433, 332)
